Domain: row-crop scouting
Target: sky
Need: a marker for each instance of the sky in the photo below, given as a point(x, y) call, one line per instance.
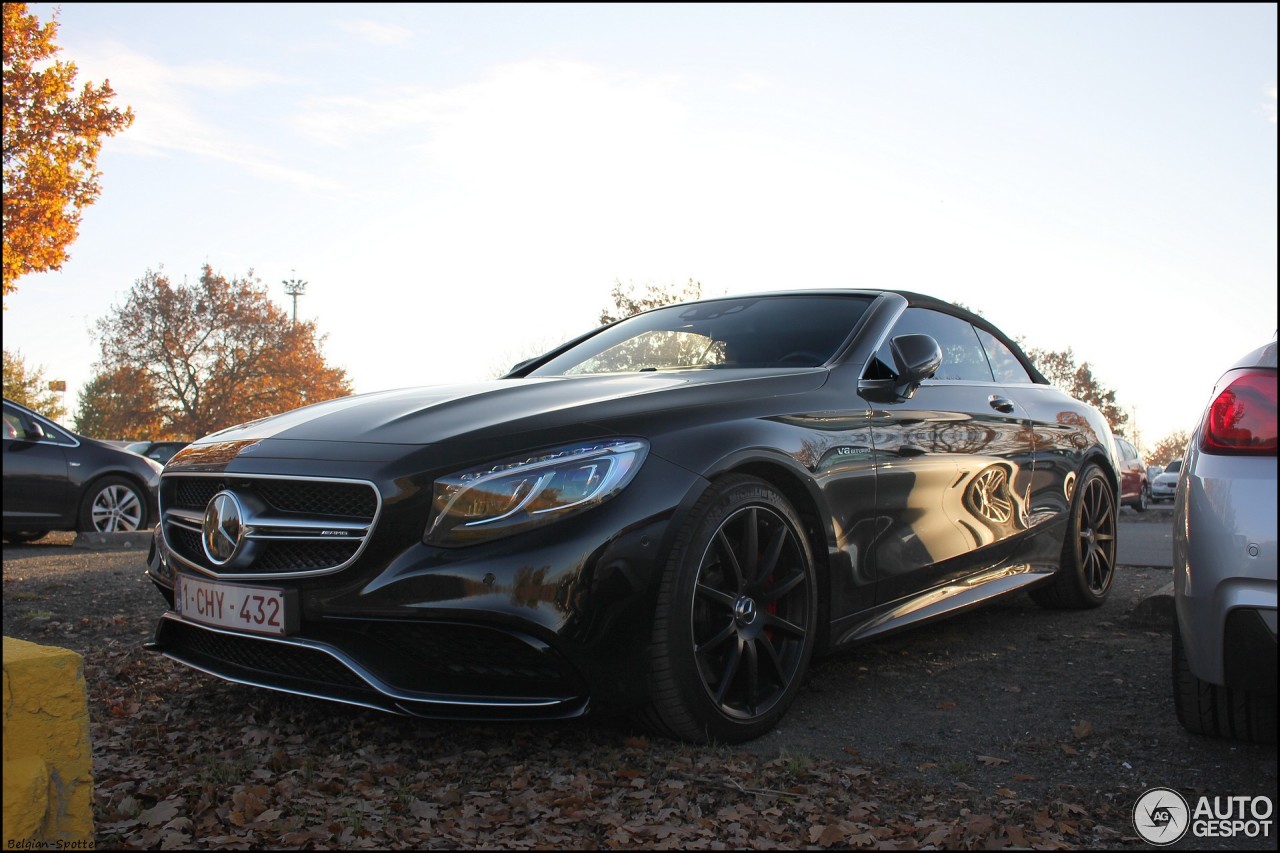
point(460, 186)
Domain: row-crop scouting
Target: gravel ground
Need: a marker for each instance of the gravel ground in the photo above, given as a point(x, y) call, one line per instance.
point(1007, 726)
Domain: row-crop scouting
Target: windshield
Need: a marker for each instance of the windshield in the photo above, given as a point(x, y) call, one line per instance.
point(1173, 467)
point(772, 331)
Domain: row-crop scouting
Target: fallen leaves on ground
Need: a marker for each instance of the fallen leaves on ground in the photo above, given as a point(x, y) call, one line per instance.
point(182, 760)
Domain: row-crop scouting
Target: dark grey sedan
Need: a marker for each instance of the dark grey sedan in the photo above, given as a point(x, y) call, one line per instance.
point(55, 479)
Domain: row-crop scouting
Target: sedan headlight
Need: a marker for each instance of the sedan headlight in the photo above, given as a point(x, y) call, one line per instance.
point(513, 495)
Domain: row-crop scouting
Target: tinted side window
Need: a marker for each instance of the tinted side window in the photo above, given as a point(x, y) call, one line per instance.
point(22, 426)
point(1004, 364)
point(13, 426)
point(963, 357)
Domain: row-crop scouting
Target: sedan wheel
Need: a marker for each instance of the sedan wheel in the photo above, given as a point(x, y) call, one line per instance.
point(1144, 498)
point(112, 505)
point(1088, 561)
point(736, 617)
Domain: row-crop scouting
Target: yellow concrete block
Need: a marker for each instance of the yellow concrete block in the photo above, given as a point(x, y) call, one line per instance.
point(48, 761)
point(26, 797)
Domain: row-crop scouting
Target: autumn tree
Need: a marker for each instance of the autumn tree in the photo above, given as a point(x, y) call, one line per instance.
point(52, 136)
point(627, 302)
point(1078, 380)
point(1171, 447)
point(213, 354)
point(26, 385)
point(122, 404)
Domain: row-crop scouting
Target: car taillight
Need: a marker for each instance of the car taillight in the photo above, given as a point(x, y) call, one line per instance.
point(1242, 417)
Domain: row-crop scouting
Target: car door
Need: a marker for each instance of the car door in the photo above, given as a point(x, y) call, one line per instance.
point(1062, 434)
point(953, 464)
point(36, 486)
point(1131, 470)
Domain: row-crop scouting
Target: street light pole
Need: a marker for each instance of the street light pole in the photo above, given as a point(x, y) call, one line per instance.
point(295, 288)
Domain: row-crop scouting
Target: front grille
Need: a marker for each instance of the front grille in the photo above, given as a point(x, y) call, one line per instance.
point(195, 493)
point(309, 497)
point(293, 556)
point(313, 497)
point(300, 525)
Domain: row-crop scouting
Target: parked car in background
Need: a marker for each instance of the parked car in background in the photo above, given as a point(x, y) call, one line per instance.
point(1135, 490)
point(160, 451)
point(1224, 560)
point(1153, 471)
point(55, 479)
point(666, 516)
point(1165, 486)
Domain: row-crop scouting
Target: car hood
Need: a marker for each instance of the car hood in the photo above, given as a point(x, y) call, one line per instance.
point(486, 410)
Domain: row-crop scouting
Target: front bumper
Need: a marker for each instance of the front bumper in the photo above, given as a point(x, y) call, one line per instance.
point(542, 625)
point(438, 671)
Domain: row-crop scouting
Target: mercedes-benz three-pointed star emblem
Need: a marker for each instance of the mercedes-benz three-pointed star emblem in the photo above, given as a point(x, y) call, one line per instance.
point(223, 528)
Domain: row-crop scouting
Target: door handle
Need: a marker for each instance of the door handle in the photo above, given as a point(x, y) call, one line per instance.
point(1001, 404)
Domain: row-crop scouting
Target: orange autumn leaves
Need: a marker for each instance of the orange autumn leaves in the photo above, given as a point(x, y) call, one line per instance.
point(181, 361)
point(52, 136)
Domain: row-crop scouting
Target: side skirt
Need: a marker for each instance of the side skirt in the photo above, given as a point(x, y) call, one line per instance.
point(936, 603)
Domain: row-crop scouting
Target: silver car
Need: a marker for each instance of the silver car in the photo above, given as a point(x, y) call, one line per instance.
point(1165, 483)
point(1224, 559)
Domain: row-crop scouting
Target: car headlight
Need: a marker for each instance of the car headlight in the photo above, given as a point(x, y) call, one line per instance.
point(514, 495)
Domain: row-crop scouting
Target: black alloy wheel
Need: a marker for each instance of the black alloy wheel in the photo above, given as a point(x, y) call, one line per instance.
point(736, 618)
point(1088, 562)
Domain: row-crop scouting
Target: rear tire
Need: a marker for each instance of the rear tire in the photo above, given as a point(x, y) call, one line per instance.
point(1088, 561)
point(1208, 709)
point(1144, 498)
point(736, 617)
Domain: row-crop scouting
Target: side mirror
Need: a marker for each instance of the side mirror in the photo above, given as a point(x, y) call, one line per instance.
point(918, 358)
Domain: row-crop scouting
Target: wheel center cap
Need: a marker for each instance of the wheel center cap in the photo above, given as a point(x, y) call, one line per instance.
point(744, 611)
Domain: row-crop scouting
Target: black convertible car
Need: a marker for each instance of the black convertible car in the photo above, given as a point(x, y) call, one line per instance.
point(667, 516)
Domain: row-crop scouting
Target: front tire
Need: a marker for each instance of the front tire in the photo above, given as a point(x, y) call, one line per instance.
point(736, 617)
point(112, 505)
point(1144, 498)
point(1088, 561)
